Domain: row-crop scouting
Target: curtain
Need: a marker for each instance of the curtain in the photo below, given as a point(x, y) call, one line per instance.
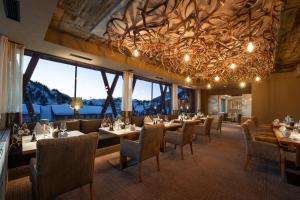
point(11, 76)
point(127, 91)
point(174, 97)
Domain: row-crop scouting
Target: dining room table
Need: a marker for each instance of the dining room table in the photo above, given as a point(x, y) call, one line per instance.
point(288, 143)
point(29, 146)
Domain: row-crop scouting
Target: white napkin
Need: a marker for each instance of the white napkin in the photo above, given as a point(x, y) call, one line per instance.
point(38, 128)
point(147, 120)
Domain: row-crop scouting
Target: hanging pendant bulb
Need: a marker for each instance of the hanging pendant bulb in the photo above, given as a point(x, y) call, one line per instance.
point(232, 66)
point(217, 78)
point(208, 86)
point(188, 79)
point(242, 84)
point(250, 47)
point(136, 53)
point(186, 58)
point(257, 78)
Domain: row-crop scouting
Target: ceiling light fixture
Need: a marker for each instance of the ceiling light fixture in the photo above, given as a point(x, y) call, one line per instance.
point(217, 78)
point(208, 86)
point(250, 47)
point(136, 53)
point(232, 66)
point(242, 84)
point(188, 79)
point(257, 78)
point(186, 58)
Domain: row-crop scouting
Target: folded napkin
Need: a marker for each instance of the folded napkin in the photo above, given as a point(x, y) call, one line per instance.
point(38, 128)
point(147, 120)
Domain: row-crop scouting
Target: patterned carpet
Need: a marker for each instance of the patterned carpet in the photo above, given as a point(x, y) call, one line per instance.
point(215, 171)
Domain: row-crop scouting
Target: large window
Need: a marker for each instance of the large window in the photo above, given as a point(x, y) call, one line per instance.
point(150, 98)
point(52, 86)
point(185, 99)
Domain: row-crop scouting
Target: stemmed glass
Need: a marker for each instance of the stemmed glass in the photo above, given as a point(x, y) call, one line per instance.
point(63, 127)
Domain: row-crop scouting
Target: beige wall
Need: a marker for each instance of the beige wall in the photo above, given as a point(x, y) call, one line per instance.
point(276, 97)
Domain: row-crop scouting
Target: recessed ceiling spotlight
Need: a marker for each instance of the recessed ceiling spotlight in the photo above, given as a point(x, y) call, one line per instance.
point(257, 78)
point(188, 79)
point(250, 47)
point(217, 78)
point(232, 66)
point(136, 53)
point(208, 86)
point(186, 58)
point(242, 84)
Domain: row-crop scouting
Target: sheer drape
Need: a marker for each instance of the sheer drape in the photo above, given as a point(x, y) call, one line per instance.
point(174, 97)
point(11, 76)
point(127, 91)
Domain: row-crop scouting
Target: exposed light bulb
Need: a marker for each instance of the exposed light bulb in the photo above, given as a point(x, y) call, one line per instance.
point(208, 86)
point(257, 78)
point(250, 47)
point(136, 53)
point(232, 66)
point(242, 84)
point(188, 79)
point(217, 78)
point(186, 58)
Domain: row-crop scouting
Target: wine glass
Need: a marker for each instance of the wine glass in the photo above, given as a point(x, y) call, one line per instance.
point(63, 127)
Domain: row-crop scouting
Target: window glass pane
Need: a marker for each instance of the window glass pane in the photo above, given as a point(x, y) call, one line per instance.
point(183, 99)
point(26, 60)
point(50, 90)
point(90, 88)
point(141, 97)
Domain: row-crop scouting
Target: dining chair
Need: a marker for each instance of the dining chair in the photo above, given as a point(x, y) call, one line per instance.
point(204, 129)
point(182, 137)
point(63, 164)
point(217, 123)
point(258, 149)
point(147, 146)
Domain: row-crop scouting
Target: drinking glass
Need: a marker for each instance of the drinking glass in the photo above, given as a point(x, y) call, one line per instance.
point(63, 127)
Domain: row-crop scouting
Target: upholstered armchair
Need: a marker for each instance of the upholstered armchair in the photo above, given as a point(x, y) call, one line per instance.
point(204, 129)
point(217, 123)
point(182, 137)
point(261, 134)
point(62, 165)
point(146, 147)
point(258, 149)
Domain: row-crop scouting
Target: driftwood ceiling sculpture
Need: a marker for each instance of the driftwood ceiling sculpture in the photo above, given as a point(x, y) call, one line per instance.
point(211, 34)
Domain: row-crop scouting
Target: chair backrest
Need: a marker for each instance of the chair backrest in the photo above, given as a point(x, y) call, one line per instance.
point(207, 125)
point(248, 137)
point(150, 139)
point(188, 131)
point(217, 122)
point(64, 164)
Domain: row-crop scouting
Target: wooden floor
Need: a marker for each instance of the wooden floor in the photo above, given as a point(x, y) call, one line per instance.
point(215, 171)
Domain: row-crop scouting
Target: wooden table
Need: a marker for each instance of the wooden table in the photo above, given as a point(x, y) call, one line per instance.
point(30, 147)
point(287, 144)
point(189, 120)
point(169, 126)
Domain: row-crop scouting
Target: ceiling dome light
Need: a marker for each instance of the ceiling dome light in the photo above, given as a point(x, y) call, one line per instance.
point(208, 86)
point(217, 78)
point(136, 53)
point(257, 78)
point(186, 58)
point(232, 66)
point(188, 79)
point(242, 84)
point(250, 47)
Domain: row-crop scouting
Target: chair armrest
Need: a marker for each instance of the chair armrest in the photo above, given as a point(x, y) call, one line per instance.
point(130, 148)
point(264, 128)
point(265, 150)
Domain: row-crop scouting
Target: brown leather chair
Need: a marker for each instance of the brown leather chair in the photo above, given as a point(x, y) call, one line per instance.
point(182, 137)
point(146, 147)
point(62, 165)
point(204, 129)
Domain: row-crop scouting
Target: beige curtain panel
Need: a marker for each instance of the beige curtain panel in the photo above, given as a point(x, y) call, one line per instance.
point(11, 76)
point(127, 91)
point(174, 97)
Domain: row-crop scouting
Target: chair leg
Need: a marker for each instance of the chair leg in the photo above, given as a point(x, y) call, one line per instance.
point(157, 162)
point(181, 150)
point(282, 163)
point(191, 145)
point(175, 146)
point(247, 162)
point(220, 131)
point(92, 192)
point(209, 139)
point(140, 171)
point(123, 161)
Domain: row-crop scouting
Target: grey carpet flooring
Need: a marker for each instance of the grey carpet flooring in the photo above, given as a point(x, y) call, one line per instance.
point(215, 171)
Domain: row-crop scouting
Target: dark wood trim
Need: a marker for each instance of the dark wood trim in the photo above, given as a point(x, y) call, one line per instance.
point(109, 90)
